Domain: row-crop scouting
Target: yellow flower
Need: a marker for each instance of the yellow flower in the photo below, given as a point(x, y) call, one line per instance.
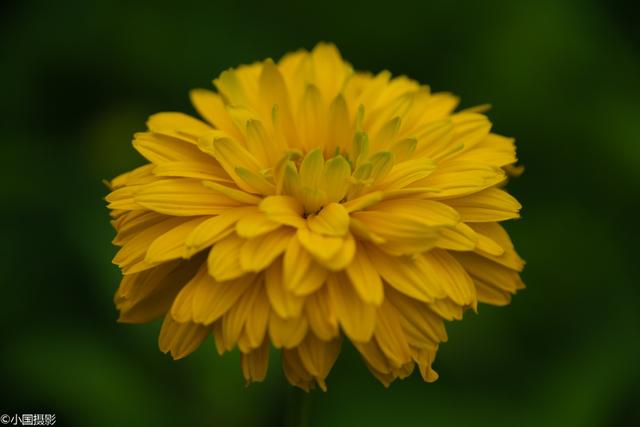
point(315, 202)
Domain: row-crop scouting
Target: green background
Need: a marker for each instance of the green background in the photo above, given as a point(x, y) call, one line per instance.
point(79, 78)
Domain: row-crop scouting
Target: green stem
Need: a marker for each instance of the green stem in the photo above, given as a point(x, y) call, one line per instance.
point(304, 418)
point(299, 408)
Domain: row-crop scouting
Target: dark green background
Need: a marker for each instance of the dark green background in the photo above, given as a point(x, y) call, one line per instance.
point(79, 77)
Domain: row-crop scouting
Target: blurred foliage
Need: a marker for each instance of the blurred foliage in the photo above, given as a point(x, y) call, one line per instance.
point(79, 78)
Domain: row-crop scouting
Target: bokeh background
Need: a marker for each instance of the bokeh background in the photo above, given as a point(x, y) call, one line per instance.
point(79, 78)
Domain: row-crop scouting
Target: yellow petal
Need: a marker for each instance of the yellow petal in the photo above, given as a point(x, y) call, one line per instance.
point(133, 251)
point(311, 169)
point(256, 181)
point(259, 252)
point(172, 244)
point(390, 335)
point(122, 200)
point(132, 223)
point(183, 197)
point(405, 275)
point(384, 137)
point(259, 144)
point(285, 303)
point(276, 100)
point(360, 180)
point(372, 91)
point(360, 229)
point(187, 305)
point(364, 201)
point(444, 268)
point(218, 339)
point(230, 154)
point(460, 237)
point(311, 176)
point(182, 307)
point(411, 105)
point(144, 296)
point(489, 205)
point(339, 126)
point(322, 248)
point(405, 370)
point(456, 178)
point(287, 333)
point(488, 294)
point(486, 245)
point(178, 125)
point(234, 320)
point(365, 278)
point(141, 173)
point(233, 193)
point(422, 326)
point(440, 105)
point(407, 172)
point(290, 68)
point(258, 319)
point(403, 150)
point(489, 272)
point(224, 258)
point(509, 258)
point(427, 211)
point(343, 257)
point(212, 299)
point(333, 220)
point(470, 128)
point(336, 178)
point(283, 210)
point(240, 115)
point(390, 113)
point(403, 234)
point(295, 371)
point(211, 107)
point(273, 89)
point(447, 309)
point(254, 225)
point(302, 275)
point(192, 169)
point(289, 180)
point(408, 192)
point(255, 363)
point(495, 150)
point(435, 140)
point(318, 357)
point(320, 314)
point(180, 339)
point(373, 356)
point(312, 119)
point(360, 148)
point(424, 359)
point(355, 316)
point(329, 70)
point(381, 164)
point(214, 229)
point(231, 86)
point(160, 149)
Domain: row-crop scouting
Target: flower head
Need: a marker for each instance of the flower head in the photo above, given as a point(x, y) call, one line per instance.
point(315, 203)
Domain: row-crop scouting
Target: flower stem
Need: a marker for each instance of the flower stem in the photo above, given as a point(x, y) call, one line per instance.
point(304, 417)
point(299, 408)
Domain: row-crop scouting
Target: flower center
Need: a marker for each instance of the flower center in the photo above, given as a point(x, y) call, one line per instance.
point(314, 181)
